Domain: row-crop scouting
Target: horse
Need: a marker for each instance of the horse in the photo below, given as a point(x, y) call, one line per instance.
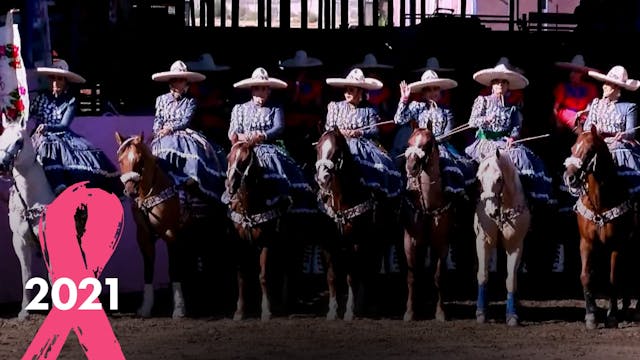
point(30, 193)
point(256, 221)
point(157, 210)
point(430, 219)
point(502, 214)
point(605, 216)
point(352, 209)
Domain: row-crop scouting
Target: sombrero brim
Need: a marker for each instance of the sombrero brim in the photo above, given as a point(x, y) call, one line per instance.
point(516, 81)
point(197, 67)
point(71, 76)
point(574, 67)
point(272, 83)
point(434, 69)
point(630, 84)
point(373, 66)
point(444, 84)
point(190, 76)
point(368, 84)
point(290, 63)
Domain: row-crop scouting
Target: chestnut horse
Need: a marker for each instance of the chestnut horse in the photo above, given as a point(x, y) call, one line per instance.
point(502, 215)
point(352, 208)
point(604, 213)
point(430, 218)
point(257, 223)
point(157, 210)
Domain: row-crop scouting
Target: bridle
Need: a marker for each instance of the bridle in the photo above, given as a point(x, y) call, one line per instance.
point(243, 175)
point(132, 175)
point(584, 168)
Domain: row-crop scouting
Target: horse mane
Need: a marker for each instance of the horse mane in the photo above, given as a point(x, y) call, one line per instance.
point(136, 140)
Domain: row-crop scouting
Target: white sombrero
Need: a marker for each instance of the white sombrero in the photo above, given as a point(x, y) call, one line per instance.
point(300, 60)
point(617, 75)
point(178, 71)
point(61, 68)
point(370, 62)
point(356, 78)
point(433, 64)
point(206, 63)
point(430, 78)
point(260, 77)
point(576, 64)
point(503, 70)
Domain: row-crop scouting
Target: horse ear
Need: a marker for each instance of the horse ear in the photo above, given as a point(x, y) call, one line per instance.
point(119, 138)
point(430, 126)
point(497, 153)
point(142, 136)
point(594, 131)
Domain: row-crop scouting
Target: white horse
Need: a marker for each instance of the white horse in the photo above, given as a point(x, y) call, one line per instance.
point(501, 215)
point(30, 193)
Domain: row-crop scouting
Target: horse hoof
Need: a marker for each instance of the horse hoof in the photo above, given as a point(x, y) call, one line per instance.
point(408, 316)
point(348, 316)
point(440, 315)
point(512, 320)
point(23, 315)
point(145, 313)
point(178, 313)
point(480, 318)
point(238, 316)
point(265, 317)
point(590, 321)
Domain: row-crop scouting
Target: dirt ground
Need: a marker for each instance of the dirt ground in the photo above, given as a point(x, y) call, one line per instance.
point(549, 330)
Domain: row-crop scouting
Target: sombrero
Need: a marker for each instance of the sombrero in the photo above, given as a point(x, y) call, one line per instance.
point(430, 78)
point(617, 75)
point(370, 62)
point(356, 78)
point(260, 77)
point(433, 64)
point(178, 71)
point(503, 70)
point(300, 60)
point(206, 63)
point(576, 64)
point(61, 68)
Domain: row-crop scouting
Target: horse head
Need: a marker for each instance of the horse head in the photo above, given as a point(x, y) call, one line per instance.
point(421, 152)
point(589, 155)
point(16, 150)
point(134, 159)
point(498, 179)
point(332, 152)
point(242, 167)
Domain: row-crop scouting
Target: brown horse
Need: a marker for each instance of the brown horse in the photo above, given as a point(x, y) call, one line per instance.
point(256, 222)
point(430, 220)
point(156, 210)
point(352, 209)
point(605, 215)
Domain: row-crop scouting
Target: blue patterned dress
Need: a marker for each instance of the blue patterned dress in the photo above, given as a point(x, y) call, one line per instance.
point(379, 172)
point(458, 170)
point(496, 122)
point(611, 117)
point(185, 153)
point(279, 168)
point(66, 157)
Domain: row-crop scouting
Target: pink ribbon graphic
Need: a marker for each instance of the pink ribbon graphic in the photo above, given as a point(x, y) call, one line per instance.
point(77, 252)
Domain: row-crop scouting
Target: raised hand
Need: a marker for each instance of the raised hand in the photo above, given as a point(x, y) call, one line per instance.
point(405, 92)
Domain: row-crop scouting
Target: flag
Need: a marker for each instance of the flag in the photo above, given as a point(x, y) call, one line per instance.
point(14, 92)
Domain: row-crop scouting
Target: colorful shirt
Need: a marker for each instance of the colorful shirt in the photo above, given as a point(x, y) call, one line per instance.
point(174, 113)
point(493, 119)
point(346, 116)
point(612, 117)
point(250, 117)
point(576, 98)
point(54, 112)
point(441, 118)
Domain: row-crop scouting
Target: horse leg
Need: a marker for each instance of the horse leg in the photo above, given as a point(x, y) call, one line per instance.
point(242, 248)
point(25, 255)
point(514, 254)
point(353, 265)
point(585, 279)
point(350, 307)
point(265, 304)
point(612, 313)
point(148, 250)
point(439, 254)
point(175, 274)
point(484, 246)
point(410, 254)
point(331, 284)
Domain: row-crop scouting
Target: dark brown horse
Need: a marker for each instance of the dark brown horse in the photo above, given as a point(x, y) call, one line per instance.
point(156, 210)
point(605, 215)
point(430, 215)
point(352, 208)
point(256, 222)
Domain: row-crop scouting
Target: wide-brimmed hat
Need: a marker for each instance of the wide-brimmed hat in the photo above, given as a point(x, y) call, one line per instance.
point(617, 75)
point(260, 77)
point(356, 78)
point(503, 70)
point(430, 78)
point(370, 62)
point(178, 70)
point(61, 68)
point(576, 64)
point(433, 64)
point(300, 60)
point(206, 63)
